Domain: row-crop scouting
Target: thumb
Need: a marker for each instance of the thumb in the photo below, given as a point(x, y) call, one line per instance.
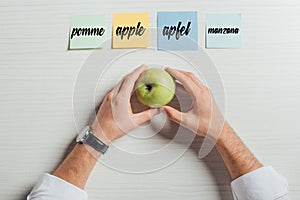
point(145, 116)
point(172, 113)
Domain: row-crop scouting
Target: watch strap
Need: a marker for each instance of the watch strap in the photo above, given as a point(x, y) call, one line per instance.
point(97, 144)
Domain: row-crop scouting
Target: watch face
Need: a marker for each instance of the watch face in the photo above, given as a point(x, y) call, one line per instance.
point(83, 135)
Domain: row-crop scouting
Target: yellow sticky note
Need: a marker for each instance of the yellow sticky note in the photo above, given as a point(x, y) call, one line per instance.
point(130, 30)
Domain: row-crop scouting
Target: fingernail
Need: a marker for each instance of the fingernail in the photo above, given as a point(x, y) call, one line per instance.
point(143, 65)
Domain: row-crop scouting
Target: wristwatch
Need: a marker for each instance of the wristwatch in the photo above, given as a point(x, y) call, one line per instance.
point(87, 137)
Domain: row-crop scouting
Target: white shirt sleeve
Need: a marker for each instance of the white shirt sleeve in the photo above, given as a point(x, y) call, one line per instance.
point(261, 184)
point(53, 188)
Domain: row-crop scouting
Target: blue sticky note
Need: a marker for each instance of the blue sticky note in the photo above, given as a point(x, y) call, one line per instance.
point(177, 31)
point(223, 31)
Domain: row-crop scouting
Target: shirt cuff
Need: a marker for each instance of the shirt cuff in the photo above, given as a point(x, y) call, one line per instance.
point(260, 184)
point(52, 187)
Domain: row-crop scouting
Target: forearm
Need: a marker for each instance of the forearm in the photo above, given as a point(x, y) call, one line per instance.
point(238, 159)
point(78, 165)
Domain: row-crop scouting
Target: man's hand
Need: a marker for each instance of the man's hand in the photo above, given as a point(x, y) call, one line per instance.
point(115, 117)
point(204, 115)
point(205, 119)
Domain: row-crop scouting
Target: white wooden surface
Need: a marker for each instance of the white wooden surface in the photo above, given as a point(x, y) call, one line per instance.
point(36, 84)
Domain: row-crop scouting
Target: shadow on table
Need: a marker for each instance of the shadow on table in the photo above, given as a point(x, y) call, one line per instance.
point(213, 161)
point(217, 169)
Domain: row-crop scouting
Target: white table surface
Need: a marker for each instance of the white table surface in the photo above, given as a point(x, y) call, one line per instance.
point(37, 74)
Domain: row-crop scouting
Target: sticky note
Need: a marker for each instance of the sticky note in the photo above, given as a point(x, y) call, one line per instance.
point(130, 30)
point(87, 32)
point(223, 31)
point(177, 31)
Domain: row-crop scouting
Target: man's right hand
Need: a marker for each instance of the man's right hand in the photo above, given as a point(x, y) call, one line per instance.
point(205, 119)
point(204, 115)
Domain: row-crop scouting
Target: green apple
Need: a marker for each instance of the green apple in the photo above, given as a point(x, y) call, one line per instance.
point(155, 87)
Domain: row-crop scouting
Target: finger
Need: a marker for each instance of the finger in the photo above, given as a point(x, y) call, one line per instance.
point(188, 84)
point(117, 87)
point(182, 71)
point(173, 114)
point(145, 116)
point(193, 78)
point(129, 80)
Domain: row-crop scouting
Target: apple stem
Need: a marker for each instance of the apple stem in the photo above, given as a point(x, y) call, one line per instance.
point(148, 87)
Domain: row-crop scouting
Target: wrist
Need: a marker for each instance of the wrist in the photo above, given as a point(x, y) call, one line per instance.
point(218, 132)
point(101, 134)
point(226, 134)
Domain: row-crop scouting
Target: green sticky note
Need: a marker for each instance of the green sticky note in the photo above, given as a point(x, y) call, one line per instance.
point(87, 32)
